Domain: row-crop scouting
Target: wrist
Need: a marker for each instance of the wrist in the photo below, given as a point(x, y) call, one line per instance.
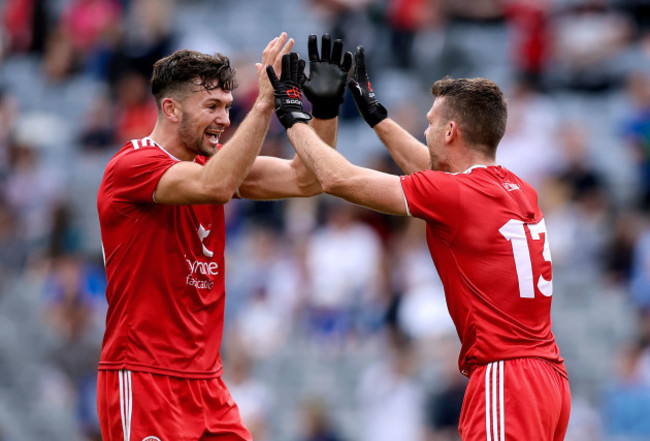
point(263, 104)
point(324, 113)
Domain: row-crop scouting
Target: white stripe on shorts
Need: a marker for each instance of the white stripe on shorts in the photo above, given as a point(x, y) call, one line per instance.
point(494, 416)
point(126, 406)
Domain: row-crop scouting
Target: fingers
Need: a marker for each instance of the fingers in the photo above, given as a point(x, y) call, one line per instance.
point(273, 78)
point(326, 48)
point(275, 49)
point(312, 48)
point(300, 75)
point(272, 48)
point(347, 62)
point(353, 85)
point(337, 50)
point(286, 66)
point(360, 64)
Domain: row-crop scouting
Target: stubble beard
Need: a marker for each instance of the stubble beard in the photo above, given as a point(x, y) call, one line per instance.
point(194, 143)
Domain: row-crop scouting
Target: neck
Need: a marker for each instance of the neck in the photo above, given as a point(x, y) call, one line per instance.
point(469, 157)
point(167, 138)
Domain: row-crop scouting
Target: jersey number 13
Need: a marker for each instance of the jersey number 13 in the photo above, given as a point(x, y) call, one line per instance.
point(514, 231)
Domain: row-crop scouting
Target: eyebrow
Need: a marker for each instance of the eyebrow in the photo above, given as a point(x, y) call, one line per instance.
point(218, 101)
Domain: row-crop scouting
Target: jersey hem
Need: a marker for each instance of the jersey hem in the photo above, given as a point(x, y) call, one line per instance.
point(558, 365)
point(135, 367)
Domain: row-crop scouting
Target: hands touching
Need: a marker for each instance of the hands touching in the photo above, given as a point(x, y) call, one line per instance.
point(272, 56)
point(327, 76)
point(287, 89)
point(326, 82)
point(364, 97)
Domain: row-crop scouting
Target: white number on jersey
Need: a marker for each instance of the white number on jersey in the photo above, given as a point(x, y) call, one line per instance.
point(514, 231)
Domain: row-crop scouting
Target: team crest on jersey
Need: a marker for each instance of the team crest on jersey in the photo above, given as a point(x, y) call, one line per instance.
point(510, 186)
point(151, 438)
point(203, 233)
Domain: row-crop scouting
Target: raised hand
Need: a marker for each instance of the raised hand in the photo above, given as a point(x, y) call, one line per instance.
point(327, 75)
point(272, 55)
point(287, 90)
point(364, 97)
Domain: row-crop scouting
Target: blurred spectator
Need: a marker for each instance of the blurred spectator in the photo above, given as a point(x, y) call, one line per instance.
point(421, 310)
point(444, 404)
point(589, 36)
point(146, 36)
point(636, 129)
point(135, 109)
point(390, 398)
point(627, 398)
point(24, 23)
point(579, 224)
point(476, 41)
point(586, 183)
point(264, 292)
point(13, 252)
point(59, 59)
point(347, 19)
point(98, 131)
point(252, 396)
point(316, 422)
point(343, 260)
point(640, 275)
point(85, 22)
point(620, 249)
point(585, 423)
point(529, 147)
point(529, 21)
point(405, 19)
point(32, 191)
point(9, 112)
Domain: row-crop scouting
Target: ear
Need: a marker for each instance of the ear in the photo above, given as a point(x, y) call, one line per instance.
point(171, 109)
point(451, 132)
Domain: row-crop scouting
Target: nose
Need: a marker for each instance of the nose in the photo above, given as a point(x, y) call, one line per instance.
point(223, 118)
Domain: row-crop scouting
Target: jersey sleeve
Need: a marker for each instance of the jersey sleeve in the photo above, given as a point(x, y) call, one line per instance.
point(432, 196)
point(137, 174)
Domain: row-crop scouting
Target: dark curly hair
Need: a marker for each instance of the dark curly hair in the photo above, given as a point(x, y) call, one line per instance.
point(185, 70)
point(479, 107)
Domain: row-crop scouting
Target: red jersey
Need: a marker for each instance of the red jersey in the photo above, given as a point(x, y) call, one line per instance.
point(165, 270)
point(487, 238)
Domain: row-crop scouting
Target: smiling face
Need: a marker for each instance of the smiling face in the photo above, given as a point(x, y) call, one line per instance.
point(205, 115)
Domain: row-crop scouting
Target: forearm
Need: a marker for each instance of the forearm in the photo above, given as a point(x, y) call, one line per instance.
point(227, 169)
point(326, 129)
point(409, 153)
point(326, 164)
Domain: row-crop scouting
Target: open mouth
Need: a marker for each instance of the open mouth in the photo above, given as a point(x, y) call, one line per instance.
point(213, 136)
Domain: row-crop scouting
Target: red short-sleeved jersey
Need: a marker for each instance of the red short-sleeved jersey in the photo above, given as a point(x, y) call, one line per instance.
point(165, 270)
point(487, 238)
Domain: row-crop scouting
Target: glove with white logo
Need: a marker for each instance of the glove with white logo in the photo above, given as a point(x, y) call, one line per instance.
point(327, 74)
point(364, 97)
point(288, 93)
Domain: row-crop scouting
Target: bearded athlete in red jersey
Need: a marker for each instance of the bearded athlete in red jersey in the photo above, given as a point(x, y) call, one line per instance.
point(487, 238)
point(161, 214)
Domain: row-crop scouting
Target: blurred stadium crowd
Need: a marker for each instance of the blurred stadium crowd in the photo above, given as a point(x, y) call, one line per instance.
point(337, 328)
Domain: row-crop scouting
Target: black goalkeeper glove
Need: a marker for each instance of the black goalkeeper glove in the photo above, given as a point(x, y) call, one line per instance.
point(364, 97)
point(327, 75)
point(288, 93)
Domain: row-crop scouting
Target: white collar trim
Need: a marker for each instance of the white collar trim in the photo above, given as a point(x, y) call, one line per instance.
point(162, 148)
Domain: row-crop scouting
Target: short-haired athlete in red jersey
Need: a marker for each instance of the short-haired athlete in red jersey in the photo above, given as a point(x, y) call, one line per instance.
point(487, 238)
point(161, 214)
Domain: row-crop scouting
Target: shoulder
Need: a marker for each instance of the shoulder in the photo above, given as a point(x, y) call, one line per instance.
point(141, 151)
